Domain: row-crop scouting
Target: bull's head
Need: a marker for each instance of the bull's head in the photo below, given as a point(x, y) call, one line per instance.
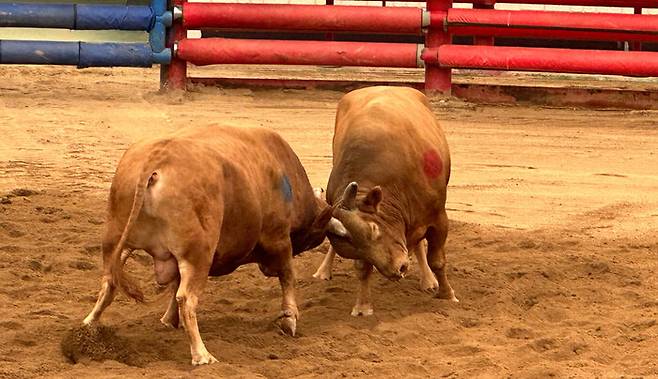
point(359, 231)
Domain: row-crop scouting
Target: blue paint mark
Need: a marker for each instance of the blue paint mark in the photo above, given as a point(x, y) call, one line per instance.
point(286, 189)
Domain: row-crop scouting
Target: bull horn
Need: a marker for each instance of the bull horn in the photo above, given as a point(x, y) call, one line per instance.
point(336, 227)
point(318, 192)
point(349, 196)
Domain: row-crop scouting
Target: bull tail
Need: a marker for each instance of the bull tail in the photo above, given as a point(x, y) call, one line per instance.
point(119, 278)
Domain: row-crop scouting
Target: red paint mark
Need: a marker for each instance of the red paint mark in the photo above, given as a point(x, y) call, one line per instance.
point(432, 164)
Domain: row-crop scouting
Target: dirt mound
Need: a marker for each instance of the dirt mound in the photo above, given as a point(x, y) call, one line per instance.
point(98, 343)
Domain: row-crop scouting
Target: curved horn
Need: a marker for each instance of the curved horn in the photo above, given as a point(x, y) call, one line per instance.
point(318, 192)
point(336, 227)
point(349, 196)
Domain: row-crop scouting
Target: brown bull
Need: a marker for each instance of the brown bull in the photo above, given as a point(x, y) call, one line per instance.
point(391, 166)
point(204, 201)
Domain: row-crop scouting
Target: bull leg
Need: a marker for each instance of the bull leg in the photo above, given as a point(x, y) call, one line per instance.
point(171, 318)
point(289, 310)
point(324, 271)
point(108, 289)
point(428, 282)
point(363, 306)
point(193, 278)
point(436, 257)
point(105, 297)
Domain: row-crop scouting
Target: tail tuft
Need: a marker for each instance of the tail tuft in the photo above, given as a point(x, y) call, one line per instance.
point(127, 285)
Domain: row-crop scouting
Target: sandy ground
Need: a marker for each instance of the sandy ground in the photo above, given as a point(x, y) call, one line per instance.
point(553, 246)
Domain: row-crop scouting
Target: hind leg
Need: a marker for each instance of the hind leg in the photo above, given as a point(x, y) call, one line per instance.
point(171, 319)
point(428, 282)
point(108, 289)
point(193, 266)
point(436, 256)
point(324, 271)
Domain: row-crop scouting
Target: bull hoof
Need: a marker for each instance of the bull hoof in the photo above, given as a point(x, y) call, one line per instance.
point(169, 322)
point(447, 295)
point(362, 310)
point(288, 322)
point(203, 359)
point(322, 274)
point(429, 285)
point(88, 321)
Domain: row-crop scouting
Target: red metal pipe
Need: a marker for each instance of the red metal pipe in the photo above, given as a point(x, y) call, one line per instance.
point(399, 20)
point(300, 83)
point(574, 21)
point(552, 34)
point(602, 62)
point(207, 51)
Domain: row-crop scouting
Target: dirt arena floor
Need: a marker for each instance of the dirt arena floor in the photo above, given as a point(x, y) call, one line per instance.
point(553, 245)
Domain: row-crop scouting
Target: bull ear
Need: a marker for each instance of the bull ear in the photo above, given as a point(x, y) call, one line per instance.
point(336, 227)
point(370, 203)
point(349, 196)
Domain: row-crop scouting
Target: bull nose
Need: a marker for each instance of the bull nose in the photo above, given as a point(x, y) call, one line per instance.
point(403, 269)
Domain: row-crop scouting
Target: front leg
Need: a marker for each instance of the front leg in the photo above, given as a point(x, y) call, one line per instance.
point(363, 306)
point(436, 257)
point(428, 282)
point(324, 271)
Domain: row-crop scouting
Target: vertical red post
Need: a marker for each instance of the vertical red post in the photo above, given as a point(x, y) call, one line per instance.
point(483, 40)
point(636, 45)
point(437, 79)
point(174, 75)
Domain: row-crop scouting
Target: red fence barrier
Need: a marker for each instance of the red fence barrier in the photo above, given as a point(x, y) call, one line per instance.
point(637, 63)
point(438, 22)
point(398, 20)
point(209, 51)
point(555, 25)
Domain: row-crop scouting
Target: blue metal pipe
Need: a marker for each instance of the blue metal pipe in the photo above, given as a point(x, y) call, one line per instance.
point(115, 54)
point(119, 17)
point(39, 52)
point(37, 15)
point(79, 16)
point(81, 54)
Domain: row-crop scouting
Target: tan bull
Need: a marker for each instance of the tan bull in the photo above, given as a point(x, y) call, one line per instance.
point(204, 201)
point(391, 166)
